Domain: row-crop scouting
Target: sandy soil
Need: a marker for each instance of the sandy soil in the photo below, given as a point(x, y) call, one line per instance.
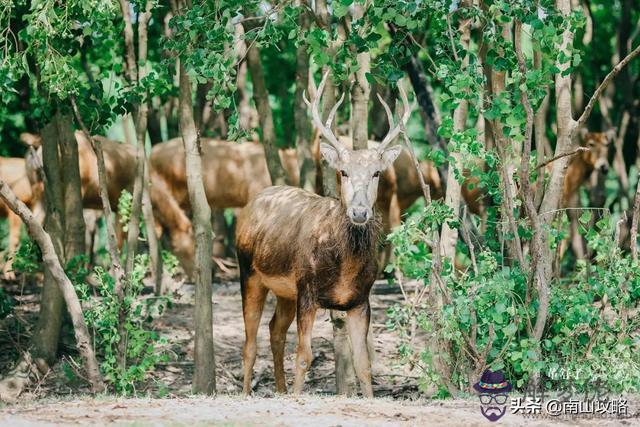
point(279, 411)
point(54, 400)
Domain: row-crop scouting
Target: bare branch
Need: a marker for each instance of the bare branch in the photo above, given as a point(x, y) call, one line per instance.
point(52, 261)
point(596, 95)
point(559, 156)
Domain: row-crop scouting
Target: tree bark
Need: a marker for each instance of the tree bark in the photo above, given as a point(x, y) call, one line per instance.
point(553, 194)
point(261, 99)
point(52, 262)
point(346, 383)
point(74, 226)
point(360, 91)
point(329, 183)
point(303, 125)
point(449, 235)
point(204, 380)
point(47, 333)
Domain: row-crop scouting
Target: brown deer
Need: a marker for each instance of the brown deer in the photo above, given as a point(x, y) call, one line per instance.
point(120, 161)
point(594, 159)
point(581, 166)
point(233, 173)
point(314, 252)
point(13, 171)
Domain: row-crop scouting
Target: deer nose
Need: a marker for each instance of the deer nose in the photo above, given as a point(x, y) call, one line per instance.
point(359, 215)
point(604, 168)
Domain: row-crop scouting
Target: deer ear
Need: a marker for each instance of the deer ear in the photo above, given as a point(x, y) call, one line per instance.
point(31, 139)
point(330, 154)
point(389, 155)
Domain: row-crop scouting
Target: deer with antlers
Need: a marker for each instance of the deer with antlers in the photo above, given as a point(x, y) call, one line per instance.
point(314, 252)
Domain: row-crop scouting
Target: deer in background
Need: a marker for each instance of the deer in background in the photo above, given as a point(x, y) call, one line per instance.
point(232, 174)
point(594, 159)
point(13, 171)
point(120, 163)
point(314, 252)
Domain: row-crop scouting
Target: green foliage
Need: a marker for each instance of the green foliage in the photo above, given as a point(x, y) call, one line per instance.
point(169, 262)
point(141, 343)
point(28, 257)
point(591, 333)
point(124, 209)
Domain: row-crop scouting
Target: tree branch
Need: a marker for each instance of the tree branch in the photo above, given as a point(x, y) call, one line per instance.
point(596, 95)
point(50, 258)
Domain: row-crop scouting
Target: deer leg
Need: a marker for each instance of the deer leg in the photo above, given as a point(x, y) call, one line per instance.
point(253, 299)
point(306, 316)
point(14, 240)
point(358, 327)
point(279, 325)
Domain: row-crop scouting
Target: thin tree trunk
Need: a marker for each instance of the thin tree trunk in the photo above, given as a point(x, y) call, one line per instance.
point(360, 91)
point(449, 235)
point(204, 380)
point(346, 383)
point(306, 162)
point(329, 183)
point(261, 99)
point(52, 262)
point(47, 332)
point(112, 245)
point(553, 194)
point(74, 225)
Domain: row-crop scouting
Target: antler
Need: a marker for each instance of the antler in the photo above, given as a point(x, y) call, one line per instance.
point(325, 128)
point(394, 131)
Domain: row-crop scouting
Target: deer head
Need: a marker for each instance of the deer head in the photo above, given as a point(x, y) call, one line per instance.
point(597, 155)
point(359, 169)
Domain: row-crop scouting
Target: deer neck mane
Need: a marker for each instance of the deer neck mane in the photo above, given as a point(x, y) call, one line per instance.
point(357, 239)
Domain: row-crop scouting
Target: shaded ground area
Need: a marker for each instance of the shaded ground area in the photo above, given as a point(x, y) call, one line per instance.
point(176, 325)
point(53, 400)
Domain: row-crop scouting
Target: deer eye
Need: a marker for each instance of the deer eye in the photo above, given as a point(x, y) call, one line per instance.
point(376, 174)
point(344, 174)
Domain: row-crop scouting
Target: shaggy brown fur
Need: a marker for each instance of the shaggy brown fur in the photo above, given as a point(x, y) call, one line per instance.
point(304, 249)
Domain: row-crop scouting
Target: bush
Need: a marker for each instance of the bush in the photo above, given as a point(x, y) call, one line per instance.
point(102, 316)
point(483, 316)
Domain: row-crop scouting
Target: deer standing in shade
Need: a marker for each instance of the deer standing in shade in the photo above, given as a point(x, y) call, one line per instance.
point(314, 252)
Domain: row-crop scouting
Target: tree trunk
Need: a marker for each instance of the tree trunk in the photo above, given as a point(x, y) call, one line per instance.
point(452, 198)
point(345, 374)
point(204, 380)
point(553, 194)
point(52, 263)
point(47, 332)
point(329, 183)
point(261, 99)
point(74, 226)
point(303, 125)
point(360, 92)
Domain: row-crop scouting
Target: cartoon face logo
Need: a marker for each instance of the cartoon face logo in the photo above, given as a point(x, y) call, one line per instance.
point(493, 392)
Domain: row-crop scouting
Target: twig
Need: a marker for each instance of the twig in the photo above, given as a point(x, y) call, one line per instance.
point(559, 156)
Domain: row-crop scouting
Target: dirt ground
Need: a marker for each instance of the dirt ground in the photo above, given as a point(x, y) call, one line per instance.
point(58, 399)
